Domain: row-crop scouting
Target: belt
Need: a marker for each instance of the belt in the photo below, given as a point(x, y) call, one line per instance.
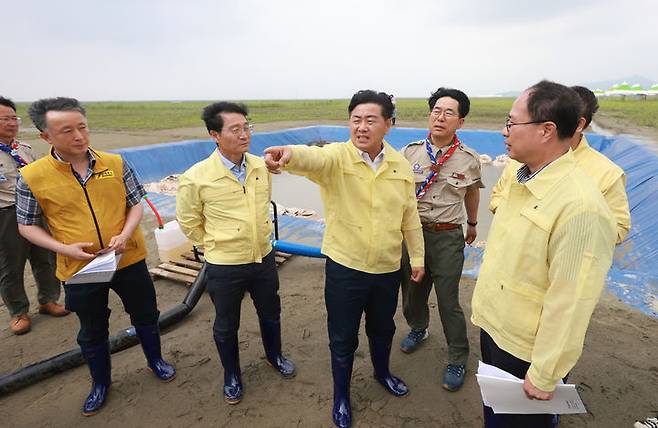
point(441, 226)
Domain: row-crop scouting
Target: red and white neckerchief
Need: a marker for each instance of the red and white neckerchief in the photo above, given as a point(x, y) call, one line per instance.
point(436, 165)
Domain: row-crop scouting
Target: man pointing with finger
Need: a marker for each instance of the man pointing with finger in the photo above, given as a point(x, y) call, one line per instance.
point(368, 193)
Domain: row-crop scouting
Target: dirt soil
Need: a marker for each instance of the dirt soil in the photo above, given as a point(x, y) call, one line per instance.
point(617, 374)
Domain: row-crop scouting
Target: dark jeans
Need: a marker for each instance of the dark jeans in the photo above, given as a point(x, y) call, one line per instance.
point(227, 285)
point(348, 294)
point(444, 260)
point(493, 355)
point(14, 251)
point(134, 286)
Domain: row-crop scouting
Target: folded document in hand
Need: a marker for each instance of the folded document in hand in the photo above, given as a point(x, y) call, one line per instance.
point(100, 269)
point(503, 392)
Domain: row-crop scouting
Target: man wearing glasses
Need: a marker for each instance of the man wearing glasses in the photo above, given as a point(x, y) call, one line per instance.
point(368, 193)
point(609, 177)
point(15, 250)
point(447, 176)
point(548, 253)
point(223, 205)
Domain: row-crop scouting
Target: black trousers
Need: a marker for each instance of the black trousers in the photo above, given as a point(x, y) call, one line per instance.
point(493, 355)
point(348, 294)
point(227, 285)
point(135, 288)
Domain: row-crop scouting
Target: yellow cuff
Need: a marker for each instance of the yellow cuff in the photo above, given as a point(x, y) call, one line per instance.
point(543, 383)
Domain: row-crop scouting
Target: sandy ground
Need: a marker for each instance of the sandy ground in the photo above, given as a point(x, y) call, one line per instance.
point(617, 375)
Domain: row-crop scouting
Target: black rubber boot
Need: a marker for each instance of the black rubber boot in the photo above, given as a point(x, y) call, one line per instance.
point(341, 369)
point(229, 354)
point(98, 360)
point(149, 337)
point(271, 333)
point(380, 353)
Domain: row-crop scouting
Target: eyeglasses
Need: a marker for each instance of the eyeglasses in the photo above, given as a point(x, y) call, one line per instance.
point(7, 119)
point(509, 123)
point(237, 130)
point(448, 114)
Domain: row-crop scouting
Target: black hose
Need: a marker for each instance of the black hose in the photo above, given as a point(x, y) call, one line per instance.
point(122, 340)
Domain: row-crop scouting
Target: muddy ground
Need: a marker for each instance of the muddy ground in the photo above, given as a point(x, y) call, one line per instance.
point(617, 375)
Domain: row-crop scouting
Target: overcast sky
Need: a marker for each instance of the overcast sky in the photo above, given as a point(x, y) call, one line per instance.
point(246, 49)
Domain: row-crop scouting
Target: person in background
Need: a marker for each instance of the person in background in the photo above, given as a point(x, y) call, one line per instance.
point(14, 249)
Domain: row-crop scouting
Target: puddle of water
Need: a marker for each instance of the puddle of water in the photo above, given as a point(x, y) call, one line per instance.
point(299, 192)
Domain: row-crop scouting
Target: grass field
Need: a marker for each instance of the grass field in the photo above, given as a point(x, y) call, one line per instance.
point(170, 115)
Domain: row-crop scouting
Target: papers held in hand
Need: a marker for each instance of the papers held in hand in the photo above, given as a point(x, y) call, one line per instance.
point(503, 392)
point(100, 269)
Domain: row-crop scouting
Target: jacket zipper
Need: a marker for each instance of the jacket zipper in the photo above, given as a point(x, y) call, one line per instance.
point(93, 214)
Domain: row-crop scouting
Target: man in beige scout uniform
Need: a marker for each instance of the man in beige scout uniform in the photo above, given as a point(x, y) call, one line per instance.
point(447, 175)
point(14, 250)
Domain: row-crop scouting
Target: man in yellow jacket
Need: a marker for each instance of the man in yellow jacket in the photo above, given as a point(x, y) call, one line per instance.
point(91, 203)
point(370, 206)
point(223, 205)
point(549, 249)
point(609, 177)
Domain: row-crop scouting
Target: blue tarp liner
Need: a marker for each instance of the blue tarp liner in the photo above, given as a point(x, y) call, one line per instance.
point(634, 274)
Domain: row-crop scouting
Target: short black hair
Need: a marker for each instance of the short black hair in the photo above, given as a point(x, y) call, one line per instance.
point(455, 94)
point(39, 108)
point(7, 103)
point(211, 114)
point(368, 96)
point(590, 103)
point(550, 101)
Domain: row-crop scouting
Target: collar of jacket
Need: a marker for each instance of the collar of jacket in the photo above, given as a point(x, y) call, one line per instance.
point(542, 183)
point(221, 171)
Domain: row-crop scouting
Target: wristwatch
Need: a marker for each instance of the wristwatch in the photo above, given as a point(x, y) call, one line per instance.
point(471, 223)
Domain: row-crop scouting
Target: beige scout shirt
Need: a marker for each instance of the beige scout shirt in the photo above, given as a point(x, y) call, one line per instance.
point(444, 200)
point(9, 173)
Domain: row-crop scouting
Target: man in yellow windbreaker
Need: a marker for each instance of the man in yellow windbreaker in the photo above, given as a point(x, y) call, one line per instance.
point(609, 177)
point(548, 253)
point(223, 205)
point(91, 203)
point(368, 192)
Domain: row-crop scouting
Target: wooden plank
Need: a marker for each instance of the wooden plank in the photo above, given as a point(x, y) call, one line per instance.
point(179, 269)
point(187, 263)
point(171, 275)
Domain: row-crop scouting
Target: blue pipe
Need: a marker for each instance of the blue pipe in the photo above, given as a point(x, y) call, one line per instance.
point(298, 249)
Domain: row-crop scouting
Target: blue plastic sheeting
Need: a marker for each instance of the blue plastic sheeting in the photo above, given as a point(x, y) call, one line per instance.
point(634, 274)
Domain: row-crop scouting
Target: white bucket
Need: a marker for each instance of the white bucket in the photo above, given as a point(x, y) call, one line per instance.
point(171, 242)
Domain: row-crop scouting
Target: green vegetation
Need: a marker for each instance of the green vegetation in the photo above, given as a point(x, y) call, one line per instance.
point(637, 111)
point(485, 112)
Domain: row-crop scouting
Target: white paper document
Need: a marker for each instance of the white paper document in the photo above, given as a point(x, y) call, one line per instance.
point(503, 392)
point(100, 269)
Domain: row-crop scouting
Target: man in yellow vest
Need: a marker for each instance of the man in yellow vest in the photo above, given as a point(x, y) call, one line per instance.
point(14, 250)
point(91, 203)
point(548, 253)
point(369, 197)
point(609, 177)
point(223, 205)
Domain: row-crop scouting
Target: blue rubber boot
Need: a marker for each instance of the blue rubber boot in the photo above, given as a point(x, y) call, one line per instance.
point(98, 360)
point(341, 369)
point(149, 337)
point(271, 334)
point(380, 353)
point(229, 354)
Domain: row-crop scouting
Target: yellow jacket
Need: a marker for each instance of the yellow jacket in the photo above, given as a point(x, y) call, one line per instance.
point(548, 253)
point(609, 178)
point(91, 213)
point(367, 213)
point(231, 221)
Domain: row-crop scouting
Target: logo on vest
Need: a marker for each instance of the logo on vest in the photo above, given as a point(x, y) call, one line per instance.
point(417, 168)
point(106, 173)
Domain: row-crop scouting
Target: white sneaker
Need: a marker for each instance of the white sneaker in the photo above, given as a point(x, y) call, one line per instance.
point(647, 423)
